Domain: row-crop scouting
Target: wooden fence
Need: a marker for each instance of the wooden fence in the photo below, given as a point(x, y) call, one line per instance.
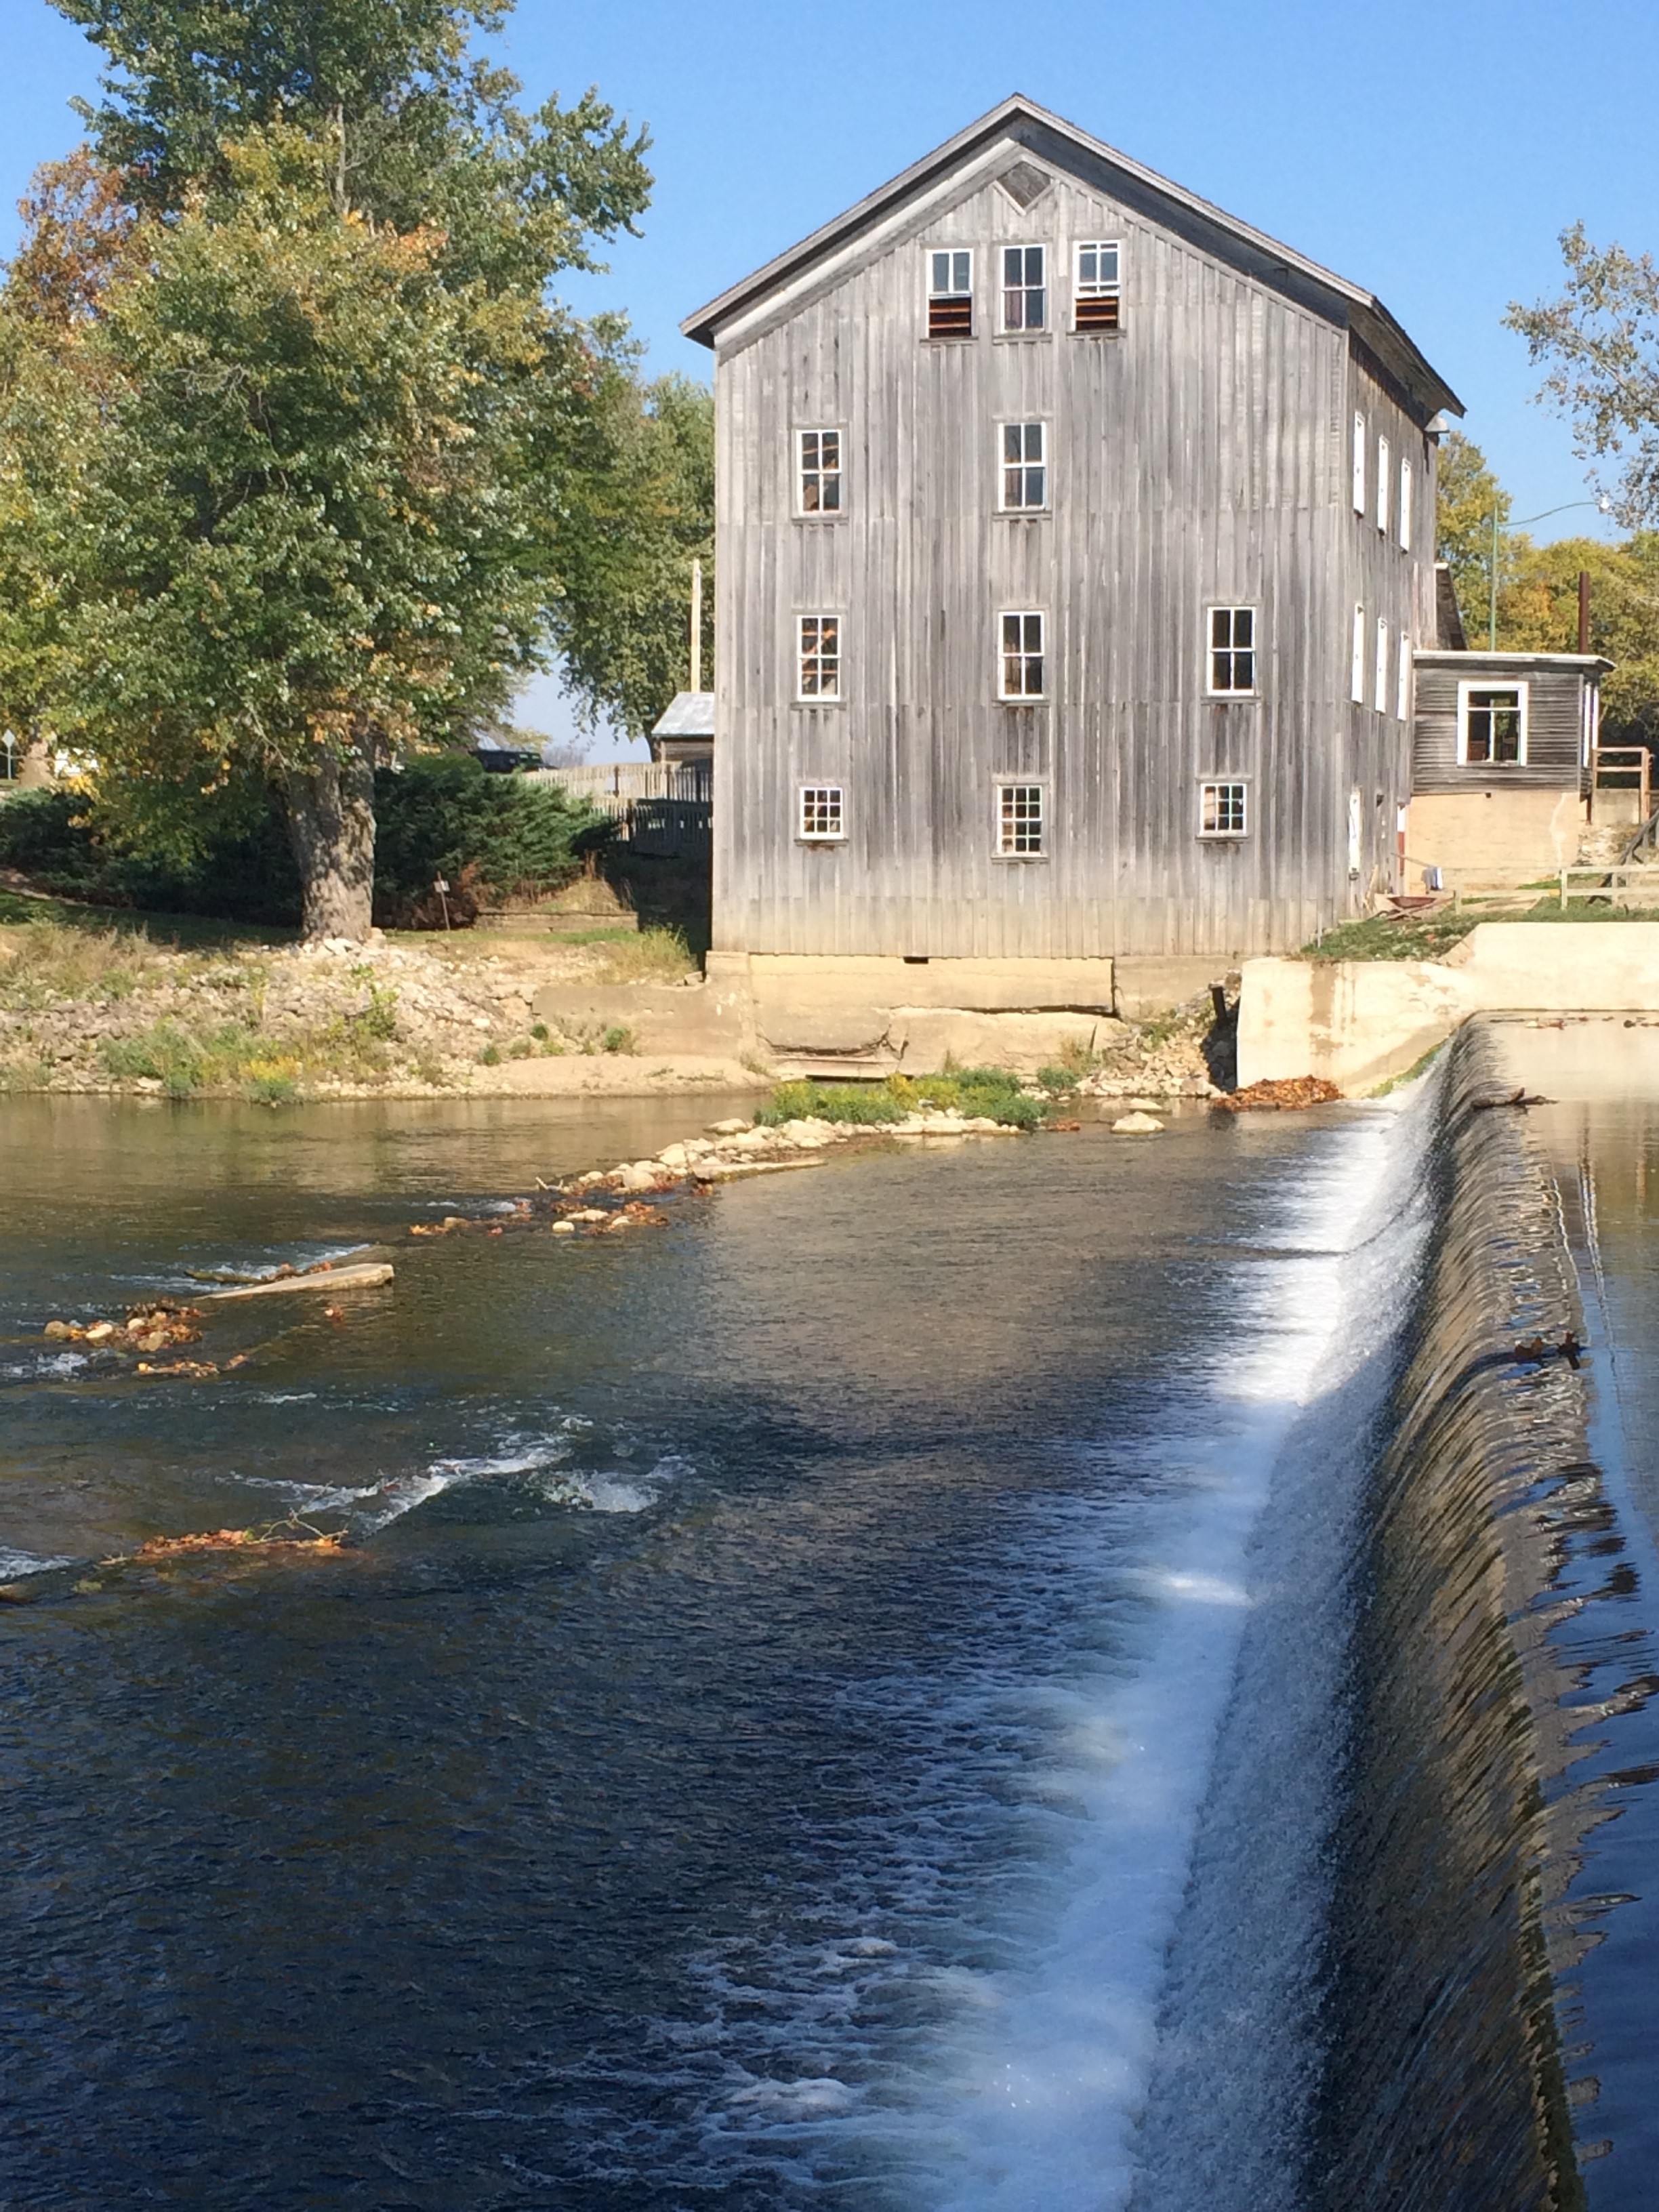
point(664, 810)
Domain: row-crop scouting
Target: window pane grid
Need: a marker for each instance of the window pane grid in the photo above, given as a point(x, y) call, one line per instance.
point(1096, 295)
point(1223, 809)
point(821, 811)
point(950, 294)
point(1025, 288)
point(1232, 649)
point(820, 471)
point(820, 657)
point(1019, 819)
point(1022, 656)
point(1492, 728)
point(1024, 465)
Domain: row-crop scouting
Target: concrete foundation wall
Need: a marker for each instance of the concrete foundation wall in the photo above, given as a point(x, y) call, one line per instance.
point(857, 1015)
point(1492, 832)
point(1357, 1023)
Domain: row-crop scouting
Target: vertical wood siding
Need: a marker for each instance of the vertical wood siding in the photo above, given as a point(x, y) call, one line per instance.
point(1200, 457)
point(1555, 727)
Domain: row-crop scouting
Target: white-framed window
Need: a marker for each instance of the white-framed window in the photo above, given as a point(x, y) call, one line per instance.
point(1024, 466)
point(1403, 516)
point(1402, 697)
point(818, 661)
point(1097, 289)
point(1025, 288)
point(950, 292)
point(1380, 688)
point(1223, 808)
point(1022, 660)
point(1491, 724)
point(1357, 677)
point(1385, 485)
point(1021, 827)
point(818, 471)
point(1232, 645)
point(822, 820)
point(1359, 438)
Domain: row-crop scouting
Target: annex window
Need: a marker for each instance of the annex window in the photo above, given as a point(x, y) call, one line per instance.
point(819, 657)
point(1024, 466)
point(950, 294)
point(1380, 690)
point(1223, 810)
point(1025, 288)
point(819, 472)
point(1491, 724)
point(1402, 700)
point(822, 820)
point(1022, 658)
point(1098, 296)
point(1359, 464)
point(1357, 678)
point(1020, 826)
point(1403, 516)
point(1232, 650)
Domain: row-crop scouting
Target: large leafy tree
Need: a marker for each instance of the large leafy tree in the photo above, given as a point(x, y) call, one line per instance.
point(321, 410)
point(1469, 495)
point(642, 510)
point(1599, 345)
point(310, 525)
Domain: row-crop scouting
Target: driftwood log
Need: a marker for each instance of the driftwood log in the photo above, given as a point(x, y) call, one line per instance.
point(365, 1278)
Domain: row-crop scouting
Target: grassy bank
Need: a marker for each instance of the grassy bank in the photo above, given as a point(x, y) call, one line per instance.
point(1431, 935)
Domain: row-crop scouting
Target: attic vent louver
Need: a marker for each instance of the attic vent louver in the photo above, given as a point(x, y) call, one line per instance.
point(1023, 183)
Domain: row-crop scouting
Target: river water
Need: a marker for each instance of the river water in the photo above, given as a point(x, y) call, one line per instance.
point(838, 1700)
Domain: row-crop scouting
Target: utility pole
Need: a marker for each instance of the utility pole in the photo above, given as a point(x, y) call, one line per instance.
point(1584, 610)
point(696, 625)
point(1492, 625)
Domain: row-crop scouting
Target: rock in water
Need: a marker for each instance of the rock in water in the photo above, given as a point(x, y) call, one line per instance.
point(1136, 1125)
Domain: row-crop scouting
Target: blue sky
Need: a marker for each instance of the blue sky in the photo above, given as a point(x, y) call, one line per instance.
point(1433, 153)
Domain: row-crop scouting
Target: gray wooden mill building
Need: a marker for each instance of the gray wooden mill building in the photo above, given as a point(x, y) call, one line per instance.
point(1074, 541)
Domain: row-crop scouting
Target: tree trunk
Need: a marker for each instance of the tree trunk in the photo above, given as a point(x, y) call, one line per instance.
point(329, 815)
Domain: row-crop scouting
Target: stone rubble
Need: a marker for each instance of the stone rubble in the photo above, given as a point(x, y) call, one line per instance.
point(427, 1019)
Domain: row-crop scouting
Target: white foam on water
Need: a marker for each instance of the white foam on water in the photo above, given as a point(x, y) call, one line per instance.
point(1028, 2090)
point(15, 1564)
point(1040, 2104)
point(49, 1364)
point(373, 1506)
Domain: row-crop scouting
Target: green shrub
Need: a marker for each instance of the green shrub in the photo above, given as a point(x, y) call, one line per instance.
point(490, 1056)
point(992, 1092)
point(488, 836)
point(271, 1090)
point(243, 870)
point(163, 1052)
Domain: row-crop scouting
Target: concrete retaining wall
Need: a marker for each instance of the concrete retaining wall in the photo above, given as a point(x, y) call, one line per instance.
point(859, 1015)
point(1357, 1023)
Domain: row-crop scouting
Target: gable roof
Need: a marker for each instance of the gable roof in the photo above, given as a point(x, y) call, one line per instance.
point(1023, 123)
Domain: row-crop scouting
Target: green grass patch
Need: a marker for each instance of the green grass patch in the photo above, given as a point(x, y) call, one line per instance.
point(993, 1093)
point(1423, 936)
point(1430, 936)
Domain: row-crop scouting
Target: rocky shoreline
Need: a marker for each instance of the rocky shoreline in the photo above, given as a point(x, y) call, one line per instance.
point(89, 1012)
